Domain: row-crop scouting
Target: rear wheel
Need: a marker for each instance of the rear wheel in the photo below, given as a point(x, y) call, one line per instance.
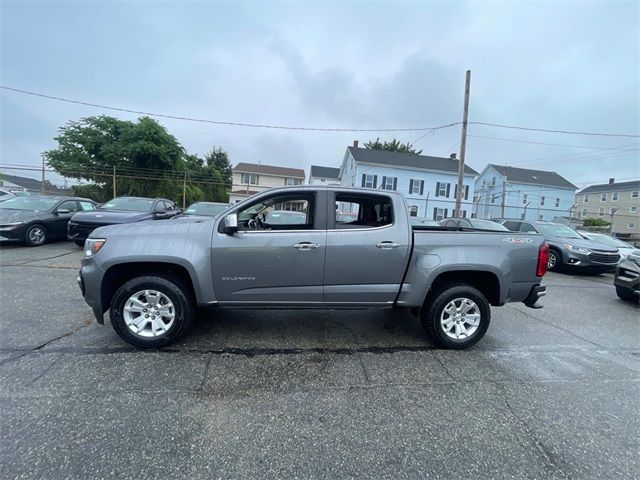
point(151, 311)
point(35, 235)
point(457, 316)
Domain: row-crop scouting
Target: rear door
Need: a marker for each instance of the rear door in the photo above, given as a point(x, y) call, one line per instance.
point(365, 259)
point(273, 264)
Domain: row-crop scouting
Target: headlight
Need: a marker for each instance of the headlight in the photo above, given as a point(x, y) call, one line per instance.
point(573, 248)
point(93, 246)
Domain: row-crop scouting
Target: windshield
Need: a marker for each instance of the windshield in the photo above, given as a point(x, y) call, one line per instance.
point(285, 218)
point(558, 230)
point(29, 203)
point(488, 225)
point(128, 203)
point(606, 240)
point(208, 209)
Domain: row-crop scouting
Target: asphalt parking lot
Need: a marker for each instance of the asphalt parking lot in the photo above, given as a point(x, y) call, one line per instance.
point(549, 393)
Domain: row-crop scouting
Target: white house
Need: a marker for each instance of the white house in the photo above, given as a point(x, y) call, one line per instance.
point(251, 178)
point(510, 192)
point(428, 183)
point(324, 175)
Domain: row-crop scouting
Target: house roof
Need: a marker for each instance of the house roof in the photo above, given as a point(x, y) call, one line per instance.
point(269, 170)
point(534, 177)
point(412, 160)
point(318, 171)
point(32, 184)
point(612, 187)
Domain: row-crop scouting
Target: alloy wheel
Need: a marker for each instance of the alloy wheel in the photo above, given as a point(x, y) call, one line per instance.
point(149, 313)
point(460, 318)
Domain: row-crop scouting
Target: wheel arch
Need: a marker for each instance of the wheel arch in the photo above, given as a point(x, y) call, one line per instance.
point(488, 283)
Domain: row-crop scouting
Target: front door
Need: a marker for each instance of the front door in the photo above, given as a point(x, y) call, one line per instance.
point(58, 225)
point(366, 251)
point(277, 255)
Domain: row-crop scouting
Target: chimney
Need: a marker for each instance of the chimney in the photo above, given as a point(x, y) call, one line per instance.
point(611, 180)
point(452, 156)
point(355, 144)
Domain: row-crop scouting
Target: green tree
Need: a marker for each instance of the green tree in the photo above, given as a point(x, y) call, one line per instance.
point(392, 146)
point(148, 161)
point(595, 222)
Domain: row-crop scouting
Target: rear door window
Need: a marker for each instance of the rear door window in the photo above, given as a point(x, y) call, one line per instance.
point(362, 211)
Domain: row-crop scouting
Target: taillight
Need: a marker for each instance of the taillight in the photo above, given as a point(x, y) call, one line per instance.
point(543, 260)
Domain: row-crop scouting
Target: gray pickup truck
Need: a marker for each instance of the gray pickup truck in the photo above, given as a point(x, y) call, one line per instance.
point(152, 276)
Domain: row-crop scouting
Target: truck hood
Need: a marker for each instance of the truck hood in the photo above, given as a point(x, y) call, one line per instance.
point(584, 243)
point(109, 217)
point(155, 228)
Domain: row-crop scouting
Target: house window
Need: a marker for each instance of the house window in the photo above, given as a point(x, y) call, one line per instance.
point(493, 198)
point(634, 194)
point(476, 198)
point(441, 189)
point(614, 197)
point(524, 198)
point(633, 209)
point(493, 181)
point(413, 210)
point(631, 225)
point(557, 202)
point(293, 181)
point(249, 178)
point(601, 212)
point(603, 197)
point(439, 214)
point(416, 187)
point(369, 181)
point(389, 183)
point(586, 199)
point(539, 217)
point(584, 212)
point(542, 200)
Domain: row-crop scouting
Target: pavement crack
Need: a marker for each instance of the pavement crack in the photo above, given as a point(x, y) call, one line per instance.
point(207, 367)
point(444, 367)
point(46, 370)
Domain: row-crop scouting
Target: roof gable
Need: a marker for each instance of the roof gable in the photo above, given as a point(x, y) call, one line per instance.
point(533, 177)
point(243, 167)
point(410, 160)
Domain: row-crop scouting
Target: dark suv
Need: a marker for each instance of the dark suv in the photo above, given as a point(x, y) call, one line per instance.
point(568, 250)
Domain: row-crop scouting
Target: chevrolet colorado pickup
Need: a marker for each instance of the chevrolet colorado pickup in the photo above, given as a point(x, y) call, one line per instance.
point(152, 276)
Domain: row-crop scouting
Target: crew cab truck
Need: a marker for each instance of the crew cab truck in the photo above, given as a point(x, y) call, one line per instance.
point(152, 276)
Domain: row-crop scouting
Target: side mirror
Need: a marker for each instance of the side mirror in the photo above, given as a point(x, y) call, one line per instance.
point(62, 211)
point(230, 224)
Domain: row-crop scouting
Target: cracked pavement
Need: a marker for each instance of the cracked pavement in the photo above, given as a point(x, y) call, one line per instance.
point(549, 393)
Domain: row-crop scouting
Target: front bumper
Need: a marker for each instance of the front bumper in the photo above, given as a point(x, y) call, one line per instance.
point(89, 281)
point(590, 261)
point(80, 231)
point(536, 293)
point(628, 277)
point(13, 232)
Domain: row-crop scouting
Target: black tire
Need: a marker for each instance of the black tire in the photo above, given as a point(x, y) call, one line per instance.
point(554, 266)
point(35, 235)
point(79, 243)
point(431, 315)
point(177, 293)
point(626, 295)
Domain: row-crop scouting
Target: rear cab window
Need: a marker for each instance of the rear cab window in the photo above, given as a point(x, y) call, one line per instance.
point(362, 211)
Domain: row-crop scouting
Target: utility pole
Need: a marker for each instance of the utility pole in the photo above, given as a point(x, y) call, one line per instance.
point(463, 145)
point(42, 185)
point(613, 212)
point(114, 181)
point(184, 191)
point(504, 184)
point(525, 210)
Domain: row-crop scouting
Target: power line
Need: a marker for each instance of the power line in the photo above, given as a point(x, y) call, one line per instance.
point(515, 140)
point(316, 129)
point(547, 130)
point(220, 122)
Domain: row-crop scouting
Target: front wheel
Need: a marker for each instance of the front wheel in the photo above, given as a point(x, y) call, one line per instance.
point(457, 317)
point(36, 235)
point(151, 311)
point(554, 262)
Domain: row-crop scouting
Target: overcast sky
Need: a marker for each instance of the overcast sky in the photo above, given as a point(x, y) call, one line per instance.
point(568, 66)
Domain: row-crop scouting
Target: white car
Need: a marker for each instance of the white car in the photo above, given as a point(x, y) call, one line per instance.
point(624, 248)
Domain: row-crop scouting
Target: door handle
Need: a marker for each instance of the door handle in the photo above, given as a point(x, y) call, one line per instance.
point(387, 245)
point(306, 245)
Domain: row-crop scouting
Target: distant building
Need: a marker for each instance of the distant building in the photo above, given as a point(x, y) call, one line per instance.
point(31, 185)
point(522, 193)
point(324, 175)
point(251, 178)
point(428, 183)
point(618, 203)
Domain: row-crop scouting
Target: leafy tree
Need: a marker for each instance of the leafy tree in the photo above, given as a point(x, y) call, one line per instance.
point(392, 146)
point(90, 149)
point(595, 222)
